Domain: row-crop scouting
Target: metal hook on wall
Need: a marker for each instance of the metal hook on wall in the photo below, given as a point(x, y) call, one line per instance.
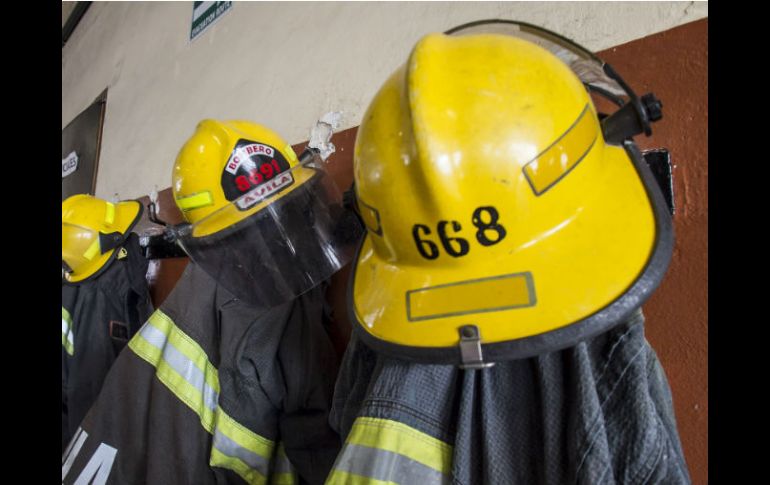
point(159, 246)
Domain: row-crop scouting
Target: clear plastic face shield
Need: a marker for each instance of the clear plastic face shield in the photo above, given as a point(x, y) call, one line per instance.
point(288, 233)
point(634, 115)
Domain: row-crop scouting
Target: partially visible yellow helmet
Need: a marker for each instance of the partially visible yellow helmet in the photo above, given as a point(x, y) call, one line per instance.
point(500, 222)
point(92, 230)
point(264, 224)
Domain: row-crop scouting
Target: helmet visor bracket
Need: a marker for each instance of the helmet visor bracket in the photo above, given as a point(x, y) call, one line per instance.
point(110, 241)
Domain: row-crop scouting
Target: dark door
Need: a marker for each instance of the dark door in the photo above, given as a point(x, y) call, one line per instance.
point(83, 137)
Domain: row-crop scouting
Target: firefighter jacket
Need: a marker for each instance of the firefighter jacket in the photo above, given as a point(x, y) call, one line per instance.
point(98, 318)
point(213, 391)
point(596, 413)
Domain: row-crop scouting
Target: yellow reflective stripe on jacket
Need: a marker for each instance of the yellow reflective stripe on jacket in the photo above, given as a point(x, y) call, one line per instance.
point(67, 338)
point(399, 438)
point(238, 466)
point(183, 367)
point(190, 393)
point(384, 451)
point(283, 472)
point(243, 436)
point(155, 343)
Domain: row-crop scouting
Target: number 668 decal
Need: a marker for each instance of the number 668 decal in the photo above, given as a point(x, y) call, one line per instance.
point(489, 232)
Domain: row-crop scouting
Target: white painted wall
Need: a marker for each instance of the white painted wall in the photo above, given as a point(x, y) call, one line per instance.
point(280, 64)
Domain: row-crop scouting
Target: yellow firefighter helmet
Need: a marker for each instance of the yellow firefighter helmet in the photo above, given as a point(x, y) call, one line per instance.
point(92, 229)
point(500, 218)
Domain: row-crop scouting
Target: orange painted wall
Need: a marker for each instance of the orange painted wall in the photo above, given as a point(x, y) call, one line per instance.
point(674, 64)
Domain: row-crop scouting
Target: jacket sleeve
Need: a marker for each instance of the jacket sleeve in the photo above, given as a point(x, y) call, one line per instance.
point(174, 411)
point(671, 467)
point(309, 363)
point(356, 374)
point(139, 430)
point(629, 435)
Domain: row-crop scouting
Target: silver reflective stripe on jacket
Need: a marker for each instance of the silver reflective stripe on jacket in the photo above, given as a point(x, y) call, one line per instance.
point(283, 472)
point(183, 367)
point(380, 450)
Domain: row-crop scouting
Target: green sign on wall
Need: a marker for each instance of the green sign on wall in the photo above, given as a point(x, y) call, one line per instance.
point(205, 14)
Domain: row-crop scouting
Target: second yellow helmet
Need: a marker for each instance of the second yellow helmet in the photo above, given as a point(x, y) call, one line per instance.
point(264, 224)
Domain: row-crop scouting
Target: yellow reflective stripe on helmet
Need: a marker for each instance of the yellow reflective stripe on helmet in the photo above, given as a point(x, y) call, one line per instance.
point(195, 201)
point(109, 214)
point(564, 154)
point(184, 368)
point(67, 339)
point(494, 293)
point(92, 250)
point(385, 451)
point(283, 472)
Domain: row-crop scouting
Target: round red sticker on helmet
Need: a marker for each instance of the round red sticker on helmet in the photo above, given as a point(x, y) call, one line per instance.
point(254, 172)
